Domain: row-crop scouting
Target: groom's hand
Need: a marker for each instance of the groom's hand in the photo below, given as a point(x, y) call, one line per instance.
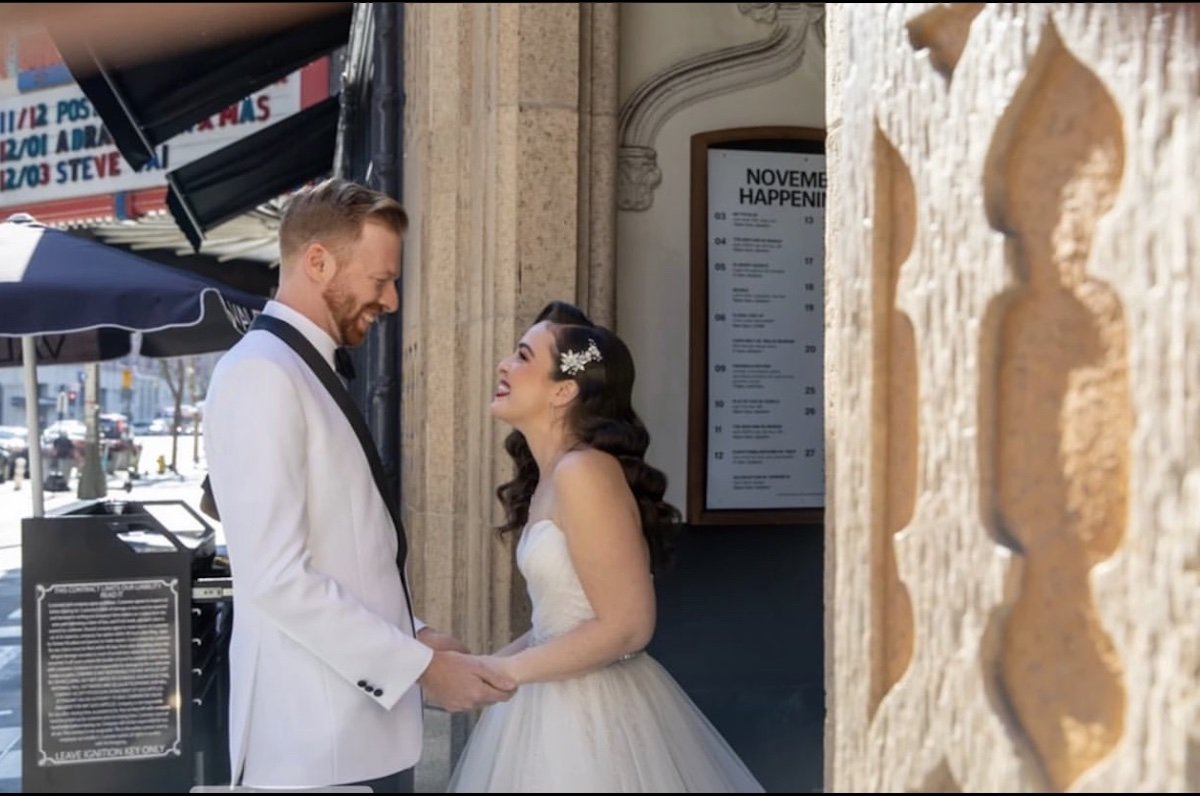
point(458, 682)
point(443, 642)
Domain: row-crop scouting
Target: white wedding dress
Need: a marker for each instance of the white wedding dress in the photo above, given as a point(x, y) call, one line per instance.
point(627, 727)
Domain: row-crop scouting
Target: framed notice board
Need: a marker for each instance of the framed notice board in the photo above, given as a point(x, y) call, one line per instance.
point(756, 426)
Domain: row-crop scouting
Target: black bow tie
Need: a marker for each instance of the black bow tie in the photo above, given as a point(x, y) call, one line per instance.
point(343, 364)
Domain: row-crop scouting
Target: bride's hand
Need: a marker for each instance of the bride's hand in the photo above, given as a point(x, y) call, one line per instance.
point(501, 665)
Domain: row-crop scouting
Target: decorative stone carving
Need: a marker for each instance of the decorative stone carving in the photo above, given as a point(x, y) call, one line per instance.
point(638, 175)
point(703, 77)
point(760, 12)
point(1047, 537)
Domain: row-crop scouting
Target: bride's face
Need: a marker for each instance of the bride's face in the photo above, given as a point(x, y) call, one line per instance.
point(524, 389)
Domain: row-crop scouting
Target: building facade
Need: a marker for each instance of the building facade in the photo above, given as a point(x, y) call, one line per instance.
point(548, 154)
point(1009, 380)
point(129, 387)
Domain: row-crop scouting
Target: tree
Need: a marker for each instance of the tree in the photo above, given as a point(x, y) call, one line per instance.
point(176, 386)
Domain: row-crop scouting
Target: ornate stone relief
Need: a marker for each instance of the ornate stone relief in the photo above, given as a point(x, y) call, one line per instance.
point(1011, 300)
point(701, 78)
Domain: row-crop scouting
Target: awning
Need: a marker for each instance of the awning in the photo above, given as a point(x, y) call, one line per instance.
point(94, 345)
point(145, 104)
point(248, 172)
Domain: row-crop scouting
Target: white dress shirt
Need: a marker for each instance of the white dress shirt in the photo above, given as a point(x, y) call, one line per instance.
point(322, 661)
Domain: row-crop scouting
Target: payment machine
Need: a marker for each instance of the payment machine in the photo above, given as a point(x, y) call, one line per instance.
point(126, 610)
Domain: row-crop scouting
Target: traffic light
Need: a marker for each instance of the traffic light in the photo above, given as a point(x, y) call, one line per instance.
point(71, 396)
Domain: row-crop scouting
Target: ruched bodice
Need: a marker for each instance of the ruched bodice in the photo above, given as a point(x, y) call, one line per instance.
point(559, 602)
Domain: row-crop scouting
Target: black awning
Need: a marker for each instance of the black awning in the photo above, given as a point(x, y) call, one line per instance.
point(145, 104)
point(248, 172)
point(93, 345)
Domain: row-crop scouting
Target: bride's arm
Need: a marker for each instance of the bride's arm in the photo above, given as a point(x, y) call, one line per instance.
point(513, 647)
point(597, 513)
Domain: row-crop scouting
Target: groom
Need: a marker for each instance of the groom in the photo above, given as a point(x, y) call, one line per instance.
point(326, 655)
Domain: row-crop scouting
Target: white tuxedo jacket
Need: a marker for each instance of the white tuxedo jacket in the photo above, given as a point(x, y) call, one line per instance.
point(323, 662)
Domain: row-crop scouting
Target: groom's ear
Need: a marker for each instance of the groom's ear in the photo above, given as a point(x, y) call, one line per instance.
point(318, 262)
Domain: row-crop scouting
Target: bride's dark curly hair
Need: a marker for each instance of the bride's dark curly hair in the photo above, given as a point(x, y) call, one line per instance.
point(601, 417)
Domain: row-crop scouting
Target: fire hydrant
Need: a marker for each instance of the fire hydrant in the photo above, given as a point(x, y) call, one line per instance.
point(162, 464)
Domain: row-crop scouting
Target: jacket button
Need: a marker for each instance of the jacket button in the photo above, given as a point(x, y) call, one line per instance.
point(362, 683)
point(378, 692)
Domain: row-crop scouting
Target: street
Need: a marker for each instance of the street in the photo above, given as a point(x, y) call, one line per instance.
point(17, 504)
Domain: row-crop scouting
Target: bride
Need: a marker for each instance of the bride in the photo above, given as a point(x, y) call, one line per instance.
point(593, 712)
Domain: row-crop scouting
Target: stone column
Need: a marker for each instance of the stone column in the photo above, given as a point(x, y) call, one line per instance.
point(596, 282)
point(510, 133)
point(1013, 350)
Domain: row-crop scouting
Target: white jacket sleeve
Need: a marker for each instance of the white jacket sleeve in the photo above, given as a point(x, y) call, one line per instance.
point(255, 437)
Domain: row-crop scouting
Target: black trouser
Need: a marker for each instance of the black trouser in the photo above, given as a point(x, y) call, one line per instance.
point(401, 782)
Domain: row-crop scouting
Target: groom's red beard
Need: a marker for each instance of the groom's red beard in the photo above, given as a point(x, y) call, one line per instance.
point(349, 320)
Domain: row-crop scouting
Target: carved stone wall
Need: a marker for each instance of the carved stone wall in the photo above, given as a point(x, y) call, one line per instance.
point(1013, 377)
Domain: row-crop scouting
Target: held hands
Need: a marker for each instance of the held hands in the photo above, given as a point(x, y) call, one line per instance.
point(505, 666)
point(442, 642)
point(458, 682)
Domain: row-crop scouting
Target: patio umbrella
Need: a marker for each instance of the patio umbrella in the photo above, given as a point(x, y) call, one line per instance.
point(85, 300)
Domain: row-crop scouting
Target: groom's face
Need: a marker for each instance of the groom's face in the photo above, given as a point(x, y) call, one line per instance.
point(364, 284)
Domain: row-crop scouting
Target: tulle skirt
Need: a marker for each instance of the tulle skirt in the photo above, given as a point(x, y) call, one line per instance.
point(626, 728)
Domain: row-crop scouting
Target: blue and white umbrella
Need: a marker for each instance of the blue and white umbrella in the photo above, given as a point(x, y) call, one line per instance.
point(71, 299)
